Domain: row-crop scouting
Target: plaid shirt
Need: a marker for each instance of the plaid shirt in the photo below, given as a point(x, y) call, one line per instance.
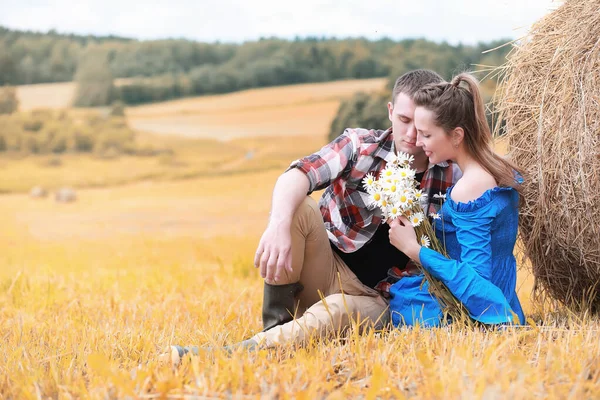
point(339, 168)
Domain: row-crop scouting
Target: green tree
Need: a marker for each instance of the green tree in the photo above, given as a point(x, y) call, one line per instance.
point(8, 69)
point(94, 81)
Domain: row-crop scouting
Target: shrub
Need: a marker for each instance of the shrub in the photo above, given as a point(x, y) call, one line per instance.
point(363, 110)
point(8, 100)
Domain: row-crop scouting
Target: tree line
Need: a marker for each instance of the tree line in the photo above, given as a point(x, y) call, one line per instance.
point(112, 68)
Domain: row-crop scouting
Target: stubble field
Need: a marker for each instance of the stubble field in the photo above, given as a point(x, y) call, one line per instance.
point(91, 292)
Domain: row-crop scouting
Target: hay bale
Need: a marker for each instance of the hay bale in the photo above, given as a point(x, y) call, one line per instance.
point(549, 100)
point(65, 195)
point(38, 192)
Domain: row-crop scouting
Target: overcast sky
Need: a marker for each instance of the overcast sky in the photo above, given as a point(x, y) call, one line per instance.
point(466, 21)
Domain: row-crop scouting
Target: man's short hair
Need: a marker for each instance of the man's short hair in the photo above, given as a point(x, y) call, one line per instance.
point(412, 81)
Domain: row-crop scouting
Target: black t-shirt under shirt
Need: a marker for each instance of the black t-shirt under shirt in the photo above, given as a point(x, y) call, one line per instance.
point(371, 262)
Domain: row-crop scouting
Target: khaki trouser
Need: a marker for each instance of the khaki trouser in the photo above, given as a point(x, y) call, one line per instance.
point(319, 269)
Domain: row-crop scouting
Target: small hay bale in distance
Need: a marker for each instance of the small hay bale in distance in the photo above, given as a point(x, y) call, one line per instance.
point(38, 192)
point(65, 195)
point(549, 99)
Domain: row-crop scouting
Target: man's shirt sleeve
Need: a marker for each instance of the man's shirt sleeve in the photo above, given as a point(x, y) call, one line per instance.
point(332, 161)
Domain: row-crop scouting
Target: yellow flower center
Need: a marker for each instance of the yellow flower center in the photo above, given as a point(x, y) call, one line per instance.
point(388, 173)
point(377, 196)
point(393, 189)
point(403, 199)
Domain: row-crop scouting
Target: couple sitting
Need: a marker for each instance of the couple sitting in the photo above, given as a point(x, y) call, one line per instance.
point(326, 265)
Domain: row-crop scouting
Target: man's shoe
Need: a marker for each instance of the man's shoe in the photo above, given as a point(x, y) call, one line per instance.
point(175, 354)
point(279, 304)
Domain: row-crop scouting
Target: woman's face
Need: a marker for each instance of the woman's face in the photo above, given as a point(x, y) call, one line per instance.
point(436, 143)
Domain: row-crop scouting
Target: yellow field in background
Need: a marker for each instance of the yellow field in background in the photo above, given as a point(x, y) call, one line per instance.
point(305, 110)
point(263, 129)
point(46, 95)
point(91, 292)
point(58, 95)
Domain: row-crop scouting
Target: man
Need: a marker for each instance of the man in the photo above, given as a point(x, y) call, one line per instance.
point(327, 265)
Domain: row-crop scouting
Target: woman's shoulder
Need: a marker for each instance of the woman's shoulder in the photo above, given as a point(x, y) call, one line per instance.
point(472, 186)
point(475, 193)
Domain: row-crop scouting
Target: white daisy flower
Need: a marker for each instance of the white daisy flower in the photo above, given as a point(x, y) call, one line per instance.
point(406, 173)
point(435, 216)
point(409, 159)
point(393, 189)
point(416, 219)
point(369, 182)
point(403, 200)
point(387, 173)
point(379, 198)
point(401, 158)
point(425, 242)
point(394, 211)
point(418, 194)
point(394, 159)
point(376, 197)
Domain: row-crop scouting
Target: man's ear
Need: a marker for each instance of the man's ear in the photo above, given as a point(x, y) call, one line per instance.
point(458, 135)
point(390, 110)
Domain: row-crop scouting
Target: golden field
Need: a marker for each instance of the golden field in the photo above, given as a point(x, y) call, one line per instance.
point(304, 110)
point(91, 292)
point(58, 95)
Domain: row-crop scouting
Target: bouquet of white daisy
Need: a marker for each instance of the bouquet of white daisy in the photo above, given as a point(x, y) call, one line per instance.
point(396, 193)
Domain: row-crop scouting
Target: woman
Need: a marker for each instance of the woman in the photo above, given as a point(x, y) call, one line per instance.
point(479, 216)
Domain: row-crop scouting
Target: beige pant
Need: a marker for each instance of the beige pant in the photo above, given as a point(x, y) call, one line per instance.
point(333, 296)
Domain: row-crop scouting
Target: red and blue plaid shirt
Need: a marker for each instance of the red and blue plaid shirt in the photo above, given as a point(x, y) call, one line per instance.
point(339, 168)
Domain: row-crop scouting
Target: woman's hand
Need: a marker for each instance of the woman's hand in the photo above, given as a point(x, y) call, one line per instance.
point(404, 238)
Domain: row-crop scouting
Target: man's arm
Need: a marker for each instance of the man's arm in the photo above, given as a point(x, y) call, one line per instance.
point(314, 172)
point(274, 253)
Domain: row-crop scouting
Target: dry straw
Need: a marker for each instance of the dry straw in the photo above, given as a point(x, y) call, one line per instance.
point(549, 98)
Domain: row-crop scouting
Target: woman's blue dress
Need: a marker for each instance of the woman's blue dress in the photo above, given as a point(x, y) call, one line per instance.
point(481, 272)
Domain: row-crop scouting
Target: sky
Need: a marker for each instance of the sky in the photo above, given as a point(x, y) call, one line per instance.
point(454, 21)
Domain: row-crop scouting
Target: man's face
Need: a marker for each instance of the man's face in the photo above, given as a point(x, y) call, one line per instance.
point(402, 115)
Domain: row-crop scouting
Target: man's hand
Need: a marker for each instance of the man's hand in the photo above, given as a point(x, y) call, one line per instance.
point(274, 253)
point(404, 238)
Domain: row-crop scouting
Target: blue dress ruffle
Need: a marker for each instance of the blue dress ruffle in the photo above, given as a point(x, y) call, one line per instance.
point(481, 272)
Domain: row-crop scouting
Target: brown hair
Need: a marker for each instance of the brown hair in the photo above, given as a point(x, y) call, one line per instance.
point(456, 106)
point(412, 81)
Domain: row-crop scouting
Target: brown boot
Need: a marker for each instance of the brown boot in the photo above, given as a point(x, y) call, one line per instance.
point(279, 304)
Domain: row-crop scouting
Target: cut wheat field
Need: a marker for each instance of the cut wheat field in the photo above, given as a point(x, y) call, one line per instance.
point(91, 292)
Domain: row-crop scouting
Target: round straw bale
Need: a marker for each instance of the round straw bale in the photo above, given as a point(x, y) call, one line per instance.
point(549, 100)
point(65, 195)
point(38, 192)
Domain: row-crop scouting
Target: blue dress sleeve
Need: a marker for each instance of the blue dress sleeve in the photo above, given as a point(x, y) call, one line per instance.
point(469, 278)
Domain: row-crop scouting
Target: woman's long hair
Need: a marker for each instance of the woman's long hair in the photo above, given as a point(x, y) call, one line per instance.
point(455, 105)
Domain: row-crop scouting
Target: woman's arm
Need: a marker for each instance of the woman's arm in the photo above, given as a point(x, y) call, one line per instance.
point(469, 279)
